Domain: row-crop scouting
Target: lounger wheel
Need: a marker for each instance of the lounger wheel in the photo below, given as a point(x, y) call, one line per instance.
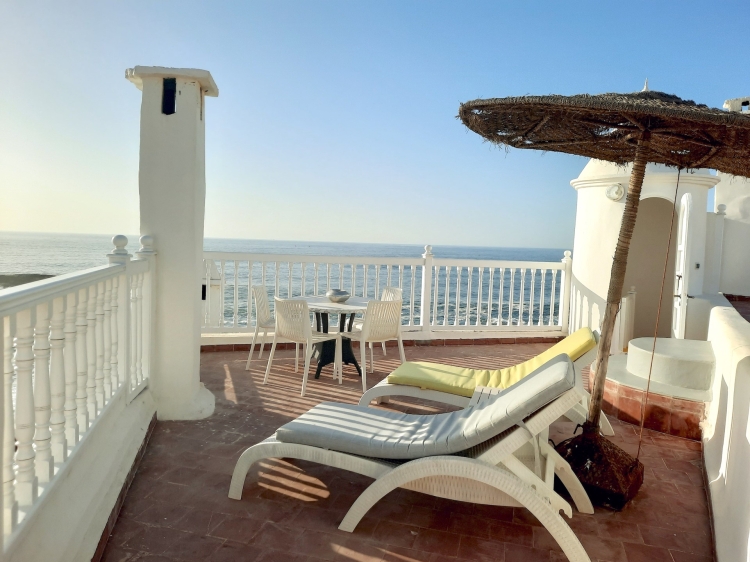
point(477, 471)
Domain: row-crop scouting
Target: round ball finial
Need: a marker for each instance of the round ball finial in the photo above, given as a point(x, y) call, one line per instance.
point(427, 250)
point(147, 244)
point(721, 209)
point(567, 254)
point(120, 242)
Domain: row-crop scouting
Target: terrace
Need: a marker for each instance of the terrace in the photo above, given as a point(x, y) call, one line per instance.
point(177, 508)
point(120, 436)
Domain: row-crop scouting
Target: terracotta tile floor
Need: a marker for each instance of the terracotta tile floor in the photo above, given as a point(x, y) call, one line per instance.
point(177, 508)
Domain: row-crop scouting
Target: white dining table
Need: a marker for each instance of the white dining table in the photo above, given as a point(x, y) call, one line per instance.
point(322, 307)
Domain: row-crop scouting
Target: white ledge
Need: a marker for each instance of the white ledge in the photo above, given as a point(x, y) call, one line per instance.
point(204, 78)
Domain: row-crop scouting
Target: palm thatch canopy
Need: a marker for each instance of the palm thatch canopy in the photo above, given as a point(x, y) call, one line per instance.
point(607, 126)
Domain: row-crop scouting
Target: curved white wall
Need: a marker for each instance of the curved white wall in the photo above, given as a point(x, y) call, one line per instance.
point(598, 225)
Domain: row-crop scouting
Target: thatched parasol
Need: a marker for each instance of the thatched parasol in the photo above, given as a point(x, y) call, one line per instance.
point(640, 127)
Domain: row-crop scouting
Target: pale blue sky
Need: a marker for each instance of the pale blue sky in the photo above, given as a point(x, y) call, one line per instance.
point(332, 103)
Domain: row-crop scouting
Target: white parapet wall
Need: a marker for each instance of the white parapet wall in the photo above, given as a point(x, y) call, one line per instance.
point(67, 525)
point(726, 434)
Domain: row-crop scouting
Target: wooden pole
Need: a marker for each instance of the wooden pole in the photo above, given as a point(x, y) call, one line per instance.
point(617, 279)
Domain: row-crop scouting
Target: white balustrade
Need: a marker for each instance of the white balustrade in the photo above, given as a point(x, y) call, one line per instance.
point(66, 345)
point(473, 296)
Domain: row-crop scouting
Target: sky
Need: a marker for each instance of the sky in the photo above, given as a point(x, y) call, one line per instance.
point(336, 119)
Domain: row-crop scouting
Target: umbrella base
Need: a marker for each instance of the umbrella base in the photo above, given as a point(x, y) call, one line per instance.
point(610, 476)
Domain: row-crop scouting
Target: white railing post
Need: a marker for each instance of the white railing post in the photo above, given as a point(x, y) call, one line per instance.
point(57, 382)
point(26, 481)
point(148, 303)
point(71, 370)
point(121, 314)
point(10, 505)
point(425, 307)
point(565, 300)
point(42, 397)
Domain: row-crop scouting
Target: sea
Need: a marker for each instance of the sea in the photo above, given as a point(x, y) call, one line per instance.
point(55, 254)
point(28, 254)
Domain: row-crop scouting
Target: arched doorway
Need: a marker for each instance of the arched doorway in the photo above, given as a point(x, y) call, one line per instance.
point(646, 265)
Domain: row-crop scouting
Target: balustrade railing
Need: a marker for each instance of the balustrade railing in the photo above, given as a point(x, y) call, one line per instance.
point(438, 294)
point(71, 346)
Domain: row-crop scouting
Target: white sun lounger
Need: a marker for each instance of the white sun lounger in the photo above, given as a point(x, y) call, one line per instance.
point(493, 452)
point(577, 414)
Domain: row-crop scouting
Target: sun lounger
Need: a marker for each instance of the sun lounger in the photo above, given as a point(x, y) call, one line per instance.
point(493, 452)
point(455, 385)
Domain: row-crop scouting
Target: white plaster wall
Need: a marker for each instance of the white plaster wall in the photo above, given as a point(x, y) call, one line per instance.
point(598, 224)
point(67, 523)
point(726, 433)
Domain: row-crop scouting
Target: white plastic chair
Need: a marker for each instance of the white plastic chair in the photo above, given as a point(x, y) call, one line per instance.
point(387, 294)
point(293, 324)
point(382, 323)
point(265, 322)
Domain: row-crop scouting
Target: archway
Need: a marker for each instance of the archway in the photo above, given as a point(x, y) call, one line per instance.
point(646, 264)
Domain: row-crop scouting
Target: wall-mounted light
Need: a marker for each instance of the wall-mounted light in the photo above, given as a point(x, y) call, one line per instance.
point(615, 192)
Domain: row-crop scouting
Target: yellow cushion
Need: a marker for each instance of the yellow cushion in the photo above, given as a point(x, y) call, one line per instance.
point(461, 381)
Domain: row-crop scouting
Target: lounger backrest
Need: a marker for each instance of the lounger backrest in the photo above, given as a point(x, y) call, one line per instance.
point(386, 434)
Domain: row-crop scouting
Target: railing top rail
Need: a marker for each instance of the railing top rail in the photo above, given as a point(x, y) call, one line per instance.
point(305, 258)
point(499, 263)
point(19, 298)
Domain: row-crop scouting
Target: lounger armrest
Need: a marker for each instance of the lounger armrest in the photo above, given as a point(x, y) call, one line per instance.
point(482, 393)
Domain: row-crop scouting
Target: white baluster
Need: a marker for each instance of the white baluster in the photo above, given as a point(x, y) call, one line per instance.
point(91, 353)
point(521, 296)
point(277, 266)
point(10, 505)
point(489, 297)
point(552, 299)
point(71, 372)
point(412, 293)
point(26, 480)
point(446, 295)
point(469, 278)
point(542, 288)
point(478, 321)
point(57, 383)
point(107, 340)
point(99, 346)
point(133, 332)
point(317, 272)
point(532, 275)
point(458, 295)
point(139, 329)
point(114, 335)
point(42, 398)
point(82, 361)
point(511, 294)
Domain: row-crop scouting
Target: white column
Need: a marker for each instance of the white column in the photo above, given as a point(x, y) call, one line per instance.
point(425, 307)
point(172, 204)
point(148, 302)
point(120, 314)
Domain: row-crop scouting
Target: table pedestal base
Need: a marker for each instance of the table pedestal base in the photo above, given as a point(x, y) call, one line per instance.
point(325, 352)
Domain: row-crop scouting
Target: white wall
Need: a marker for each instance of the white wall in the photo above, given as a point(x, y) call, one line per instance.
point(726, 433)
point(67, 523)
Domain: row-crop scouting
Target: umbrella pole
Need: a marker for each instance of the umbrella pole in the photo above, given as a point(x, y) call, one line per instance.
point(617, 280)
